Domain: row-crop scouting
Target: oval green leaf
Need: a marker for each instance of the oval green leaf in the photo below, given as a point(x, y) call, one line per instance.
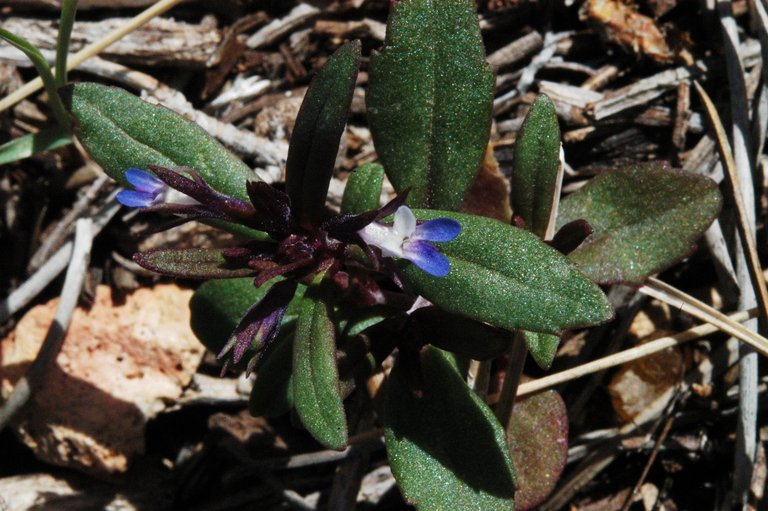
point(536, 172)
point(429, 100)
point(645, 219)
point(509, 278)
point(316, 391)
point(363, 190)
point(446, 448)
point(316, 134)
point(120, 131)
point(538, 440)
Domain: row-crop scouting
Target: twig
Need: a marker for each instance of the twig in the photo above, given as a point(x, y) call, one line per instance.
point(91, 50)
point(746, 438)
point(73, 284)
point(55, 265)
point(682, 301)
point(623, 357)
point(64, 227)
point(651, 459)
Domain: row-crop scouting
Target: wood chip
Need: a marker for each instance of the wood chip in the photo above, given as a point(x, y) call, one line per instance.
point(280, 28)
point(161, 41)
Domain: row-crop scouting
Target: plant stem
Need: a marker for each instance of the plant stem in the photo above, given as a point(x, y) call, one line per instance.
point(517, 355)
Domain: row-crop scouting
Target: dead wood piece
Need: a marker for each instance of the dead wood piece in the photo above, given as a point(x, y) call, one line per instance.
point(82, 4)
point(663, 116)
point(603, 77)
point(648, 89)
point(280, 28)
point(351, 29)
point(682, 115)
point(225, 60)
point(161, 41)
point(644, 91)
point(570, 102)
point(516, 51)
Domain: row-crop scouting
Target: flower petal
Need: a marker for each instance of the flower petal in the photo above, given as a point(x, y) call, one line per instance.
point(426, 257)
point(134, 199)
point(437, 229)
point(143, 181)
point(405, 222)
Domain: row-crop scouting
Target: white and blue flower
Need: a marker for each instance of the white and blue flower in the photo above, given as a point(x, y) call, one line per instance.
point(406, 239)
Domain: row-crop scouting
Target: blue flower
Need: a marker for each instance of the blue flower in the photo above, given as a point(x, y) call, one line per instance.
point(407, 240)
point(147, 191)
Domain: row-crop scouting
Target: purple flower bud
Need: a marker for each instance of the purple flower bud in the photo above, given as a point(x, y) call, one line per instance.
point(147, 191)
point(261, 322)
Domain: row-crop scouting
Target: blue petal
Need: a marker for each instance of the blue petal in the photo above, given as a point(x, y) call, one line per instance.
point(134, 199)
point(426, 257)
point(143, 181)
point(438, 229)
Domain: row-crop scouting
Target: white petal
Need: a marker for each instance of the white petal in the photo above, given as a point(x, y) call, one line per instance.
point(384, 237)
point(405, 222)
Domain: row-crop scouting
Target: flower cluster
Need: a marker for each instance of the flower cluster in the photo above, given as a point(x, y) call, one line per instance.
point(297, 252)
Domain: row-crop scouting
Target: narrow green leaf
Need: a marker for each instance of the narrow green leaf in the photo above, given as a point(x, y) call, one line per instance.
point(538, 441)
point(509, 278)
point(536, 173)
point(193, 263)
point(316, 392)
point(429, 100)
point(363, 190)
point(542, 347)
point(121, 131)
point(446, 448)
point(272, 392)
point(66, 21)
point(458, 334)
point(33, 143)
point(217, 306)
point(44, 70)
point(645, 219)
point(318, 129)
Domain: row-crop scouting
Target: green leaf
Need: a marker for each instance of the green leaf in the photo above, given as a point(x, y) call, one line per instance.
point(429, 100)
point(645, 218)
point(217, 306)
point(446, 448)
point(121, 131)
point(509, 278)
point(363, 189)
point(536, 173)
point(66, 21)
point(457, 334)
point(316, 392)
point(33, 143)
point(538, 440)
point(193, 263)
point(272, 393)
point(542, 347)
point(319, 126)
